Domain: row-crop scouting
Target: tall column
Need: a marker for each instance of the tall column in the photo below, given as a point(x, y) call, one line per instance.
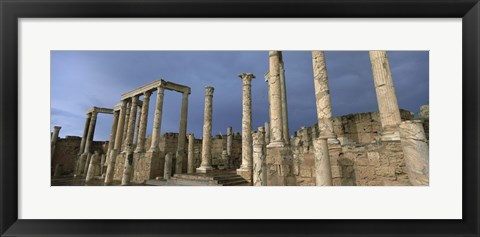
point(117, 146)
point(56, 131)
point(415, 151)
point(93, 164)
point(167, 169)
point(125, 128)
point(191, 141)
point(157, 120)
point(323, 172)
point(259, 173)
point(275, 95)
point(283, 89)
point(267, 132)
point(322, 95)
point(182, 133)
point(137, 125)
point(229, 141)
point(127, 171)
point(247, 149)
point(142, 130)
point(113, 132)
point(85, 132)
point(206, 164)
point(386, 97)
point(91, 131)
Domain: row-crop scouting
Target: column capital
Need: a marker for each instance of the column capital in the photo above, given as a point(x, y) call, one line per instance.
point(273, 53)
point(209, 91)
point(147, 94)
point(135, 99)
point(57, 127)
point(160, 89)
point(246, 77)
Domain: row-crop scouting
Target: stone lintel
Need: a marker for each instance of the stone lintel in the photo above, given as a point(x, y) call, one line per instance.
point(154, 85)
point(117, 107)
point(99, 110)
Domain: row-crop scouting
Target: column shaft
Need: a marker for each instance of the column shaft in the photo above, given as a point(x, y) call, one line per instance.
point(113, 132)
point(125, 128)
point(85, 132)
point(283, 89)
point(247, 149)
point(157, 120)
point(259, 173)
point(323, 172)
point(190, 166)
point(129, 142)
point(137, 125)
point(276, 123)
point(206, 164)
point(91, 131)
point(415, 151)
point(142, 130)
point(182, 133)
point(118, 144)
point(53, 141)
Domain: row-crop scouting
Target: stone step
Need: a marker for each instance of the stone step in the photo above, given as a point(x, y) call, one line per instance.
point(241, 182)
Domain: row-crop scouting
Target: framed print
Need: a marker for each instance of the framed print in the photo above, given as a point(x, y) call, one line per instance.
point(149, 104)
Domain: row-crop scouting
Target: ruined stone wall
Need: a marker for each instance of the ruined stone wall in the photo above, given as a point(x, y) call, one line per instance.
point(66, 150)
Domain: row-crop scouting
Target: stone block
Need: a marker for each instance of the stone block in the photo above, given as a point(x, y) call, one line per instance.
point(385, 171)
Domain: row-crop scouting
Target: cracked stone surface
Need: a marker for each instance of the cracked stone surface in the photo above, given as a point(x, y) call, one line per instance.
point(416, 151)
point(322, 95)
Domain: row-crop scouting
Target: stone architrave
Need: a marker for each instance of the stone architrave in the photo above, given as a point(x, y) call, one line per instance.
point(117, 146)
point(415, 151)
point(94, 163)
point(323, 172)
point(190, 165)
point(167, 173)
point(85, 132)
point(56, 131)
point(259, 174)
point(229, 147)
point(182, 133)
point(127, 171)
point(206, 164)
point(275, 98)
point(283, 90)
point(157, 120)
point(322, 95)
point(245, 169)
point(386, 97)
point(142, 130)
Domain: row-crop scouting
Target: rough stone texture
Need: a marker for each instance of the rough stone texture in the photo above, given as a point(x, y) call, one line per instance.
point(168, 166)
point(275, 98)
point(142, 129)
point(206, 164)
point(424, 116)
point(415, 150)
point(279, 167)
point(111, 164)
point(94, 167)
point(247, 149)
point(259, 161)
point(323, 171)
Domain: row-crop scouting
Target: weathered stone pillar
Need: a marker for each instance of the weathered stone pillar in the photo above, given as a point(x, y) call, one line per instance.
point(157, 120)
point(275, 95)
point(142, 130)
point(125, 128)
point(91, 131)
point(102, 163)
point(386, 97)
point(267, 132)
point(137, 125)
point(56, 131)
point(415, 151)
point(129, 143)
point(113, 133)
point(190, 166)
point(323, 170)
point(322, 95)
point(283, 89)
point(117, 146)
point(259, 163)
point(182, 133)
point(206, 164)
point(245, 169)
point(167, 171)
point(84, 136)
point(229, 147)
point(94, 162)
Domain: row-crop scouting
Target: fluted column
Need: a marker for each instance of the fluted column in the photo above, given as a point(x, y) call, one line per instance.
point(157, 120)
point(259, 163)
point(190, 165)
point(322, 95)
point(323, 172)
point(283, 89)
point(206, 164)
point(247, 149)
point(182, 133)
point(118, 144)
point(386, 97)
point(129, 142)
point(142, 130)
point(113, 132)
point(85, 132)
point(276, 123)
point(53, 141)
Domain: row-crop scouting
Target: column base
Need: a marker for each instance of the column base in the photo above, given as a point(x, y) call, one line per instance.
point(390, 136)
point(246, 173)
point(204, 169)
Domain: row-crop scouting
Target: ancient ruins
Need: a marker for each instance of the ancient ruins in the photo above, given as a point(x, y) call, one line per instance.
point(385, 148)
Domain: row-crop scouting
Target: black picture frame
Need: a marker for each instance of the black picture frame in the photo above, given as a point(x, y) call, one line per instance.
point(11, 11)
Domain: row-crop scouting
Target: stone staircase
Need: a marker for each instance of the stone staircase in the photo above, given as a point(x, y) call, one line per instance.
point(219, 178)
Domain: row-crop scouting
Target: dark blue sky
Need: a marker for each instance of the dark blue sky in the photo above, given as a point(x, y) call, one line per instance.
point(82, 79)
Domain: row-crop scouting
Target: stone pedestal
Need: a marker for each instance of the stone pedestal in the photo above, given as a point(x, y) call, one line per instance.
point(323, 170)
point(167, 170)
point(415, 151)
point(259, 164)
point(206, 165)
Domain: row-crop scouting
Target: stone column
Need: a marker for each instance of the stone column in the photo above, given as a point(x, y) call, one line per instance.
point(275, 95)
point(323, 172)
point(125, 128)
point(113, 133)
point(142, 130)
point(182, 133)
point(415, 151)
point(206, 164)
point(85, 132)
point(386, 97)
point(168, 166)
point(267, 132)
point(322, 95)
point(137, 125)
point(56, 131)
point(157, 120)
point(129, 143)
point(283, 89)
point(91, 131)
point(102, 163)
point(191, 141)
point(229, 147)
point(259, 173)
point(247, 149)
point(93, 164)
point(117, 146)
